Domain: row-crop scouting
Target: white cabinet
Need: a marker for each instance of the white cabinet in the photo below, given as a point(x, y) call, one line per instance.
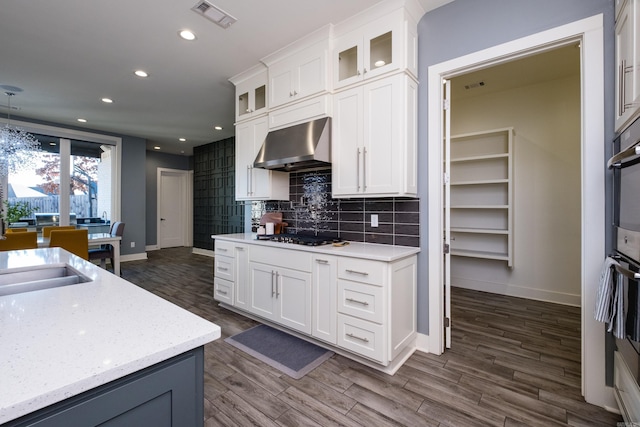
point(376, 306)
point(324, 288)
point(627, 64)
point(626, 391)
point(299, 75)
point(255, 183)
point(230, 273)
point(382, 46)
point(251, 96)
point(374, 151)
point(366, 308)
point(482, 195)
point(277, 293)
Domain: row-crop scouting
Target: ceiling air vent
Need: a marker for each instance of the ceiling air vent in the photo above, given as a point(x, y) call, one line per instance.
point(214, 14)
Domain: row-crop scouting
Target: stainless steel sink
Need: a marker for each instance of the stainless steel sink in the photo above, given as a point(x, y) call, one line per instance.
point(35, 279)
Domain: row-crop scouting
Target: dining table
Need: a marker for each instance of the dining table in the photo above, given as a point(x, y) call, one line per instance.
point(97, 239)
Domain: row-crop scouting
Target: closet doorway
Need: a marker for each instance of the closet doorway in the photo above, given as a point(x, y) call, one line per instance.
point(589, 34)
point(515, 178)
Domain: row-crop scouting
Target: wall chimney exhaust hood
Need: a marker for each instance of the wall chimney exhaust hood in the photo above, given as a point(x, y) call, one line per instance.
point(301, 147)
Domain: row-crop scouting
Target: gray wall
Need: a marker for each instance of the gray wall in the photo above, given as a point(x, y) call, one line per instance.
point(155, 160)
point(132, 183)
point(466, 26)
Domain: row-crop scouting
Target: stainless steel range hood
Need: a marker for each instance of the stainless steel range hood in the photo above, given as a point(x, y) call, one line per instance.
point(301, 147)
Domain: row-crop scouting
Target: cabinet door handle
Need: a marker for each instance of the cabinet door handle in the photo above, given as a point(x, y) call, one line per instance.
point(357, 337)
point(273, 289)
point(322, 261)
point(365, 70)
point(277, 289)
point(359, 72)
point(295, 93)
point(239, 248)
point(358, 302)
point(223, 268)
point(362, 273)
point(358, 170)
point(222, 292)
point(248, 180)
point(364, 169)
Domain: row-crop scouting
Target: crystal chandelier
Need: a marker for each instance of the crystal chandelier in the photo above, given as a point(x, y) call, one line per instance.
point(16, 152)
point(16, 145)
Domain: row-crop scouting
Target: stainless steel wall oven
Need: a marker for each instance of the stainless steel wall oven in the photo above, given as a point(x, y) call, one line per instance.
point(626, 167)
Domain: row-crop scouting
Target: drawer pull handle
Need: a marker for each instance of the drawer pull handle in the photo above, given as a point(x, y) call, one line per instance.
point(358, 338)
point(362, 273)
point(222, 292)
point(223, 268)
point(322, 261)
point(222, 249)
point(358, 302)
point(239, 248)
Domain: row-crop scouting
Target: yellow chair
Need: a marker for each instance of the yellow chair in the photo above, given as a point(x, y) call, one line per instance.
point(74, 241)
point(16, 230)
point(46, 230)
point(17, 241)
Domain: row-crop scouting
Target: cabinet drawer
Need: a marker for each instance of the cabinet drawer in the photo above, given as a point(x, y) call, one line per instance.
point(223, 290)
point(627, 391)
point(281, 258)
point(223, 247)
point(360, 300)
point(361, 270)
point(223, 268)
point(361, 337)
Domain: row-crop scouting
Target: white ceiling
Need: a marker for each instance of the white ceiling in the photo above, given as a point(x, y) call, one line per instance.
point(66, 55)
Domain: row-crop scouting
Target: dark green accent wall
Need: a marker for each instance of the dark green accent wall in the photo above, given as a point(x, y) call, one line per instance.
point(215, 210)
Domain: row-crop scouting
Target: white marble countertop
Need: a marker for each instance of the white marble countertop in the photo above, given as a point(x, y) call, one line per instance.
point(373, 251)
point(59, 342)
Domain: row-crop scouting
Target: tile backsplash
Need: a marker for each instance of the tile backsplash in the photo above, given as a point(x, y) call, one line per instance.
point(312, 210)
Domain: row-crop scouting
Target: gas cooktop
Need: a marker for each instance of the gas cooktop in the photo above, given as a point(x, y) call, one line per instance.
point(300, 239)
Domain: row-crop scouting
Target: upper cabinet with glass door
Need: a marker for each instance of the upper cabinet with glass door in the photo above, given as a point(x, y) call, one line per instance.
point(382, 46)
point(251, 93)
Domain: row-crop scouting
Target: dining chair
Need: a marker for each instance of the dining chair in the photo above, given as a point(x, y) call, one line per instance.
point(106, 251)
point(16, 241)
point(75, 241)
point(46, 230)
point(16, 230)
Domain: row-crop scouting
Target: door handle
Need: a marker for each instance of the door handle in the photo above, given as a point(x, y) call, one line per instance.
point(162, 219)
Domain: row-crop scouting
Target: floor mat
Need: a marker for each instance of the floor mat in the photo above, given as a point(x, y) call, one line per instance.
point(289, 354)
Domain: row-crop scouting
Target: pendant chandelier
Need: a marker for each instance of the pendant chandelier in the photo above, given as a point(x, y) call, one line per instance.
point(16, 145)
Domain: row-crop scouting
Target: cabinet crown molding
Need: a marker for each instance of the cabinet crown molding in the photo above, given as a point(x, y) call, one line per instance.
point(247, 74)
point(322, 35)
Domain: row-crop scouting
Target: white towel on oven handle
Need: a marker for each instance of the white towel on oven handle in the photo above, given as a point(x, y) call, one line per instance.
point(610, 299)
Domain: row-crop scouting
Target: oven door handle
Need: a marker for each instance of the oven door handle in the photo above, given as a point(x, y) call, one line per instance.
point(616, 161)
point(627, 273)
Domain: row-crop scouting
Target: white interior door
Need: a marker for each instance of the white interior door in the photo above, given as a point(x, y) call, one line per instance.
point(446, 203)
point(173, 208)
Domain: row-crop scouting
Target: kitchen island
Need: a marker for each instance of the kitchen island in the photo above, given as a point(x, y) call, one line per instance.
point(91, 351)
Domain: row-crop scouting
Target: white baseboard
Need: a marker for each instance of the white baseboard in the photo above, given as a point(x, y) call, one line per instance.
point(200, 251)
point(517, 291)
point(422, 343)
point(152, 248)
point(133, 257)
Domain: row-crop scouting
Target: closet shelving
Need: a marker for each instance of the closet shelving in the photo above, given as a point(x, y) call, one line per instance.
point(482, 195)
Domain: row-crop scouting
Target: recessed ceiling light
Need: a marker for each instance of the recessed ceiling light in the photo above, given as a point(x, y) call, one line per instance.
point(141, 73)
point(181, 139)
point(107, 100)
point(156, 148)
point(82, 120)
point(217, 127)
point(187, 35)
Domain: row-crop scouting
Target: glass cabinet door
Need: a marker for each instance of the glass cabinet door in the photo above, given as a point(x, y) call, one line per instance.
point(380, 51)
point(348, 63)
point(243, 104)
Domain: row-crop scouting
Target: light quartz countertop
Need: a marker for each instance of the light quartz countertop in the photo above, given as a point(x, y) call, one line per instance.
point(60, 342)
point(373, 251)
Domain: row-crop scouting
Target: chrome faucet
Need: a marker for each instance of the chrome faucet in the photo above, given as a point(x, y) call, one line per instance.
point(104, 216)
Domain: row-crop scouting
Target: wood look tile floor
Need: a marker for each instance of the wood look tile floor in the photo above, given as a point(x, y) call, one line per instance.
point(513, 362)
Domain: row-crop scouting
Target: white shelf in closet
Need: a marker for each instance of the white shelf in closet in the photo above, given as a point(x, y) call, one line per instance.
point(482, 195)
